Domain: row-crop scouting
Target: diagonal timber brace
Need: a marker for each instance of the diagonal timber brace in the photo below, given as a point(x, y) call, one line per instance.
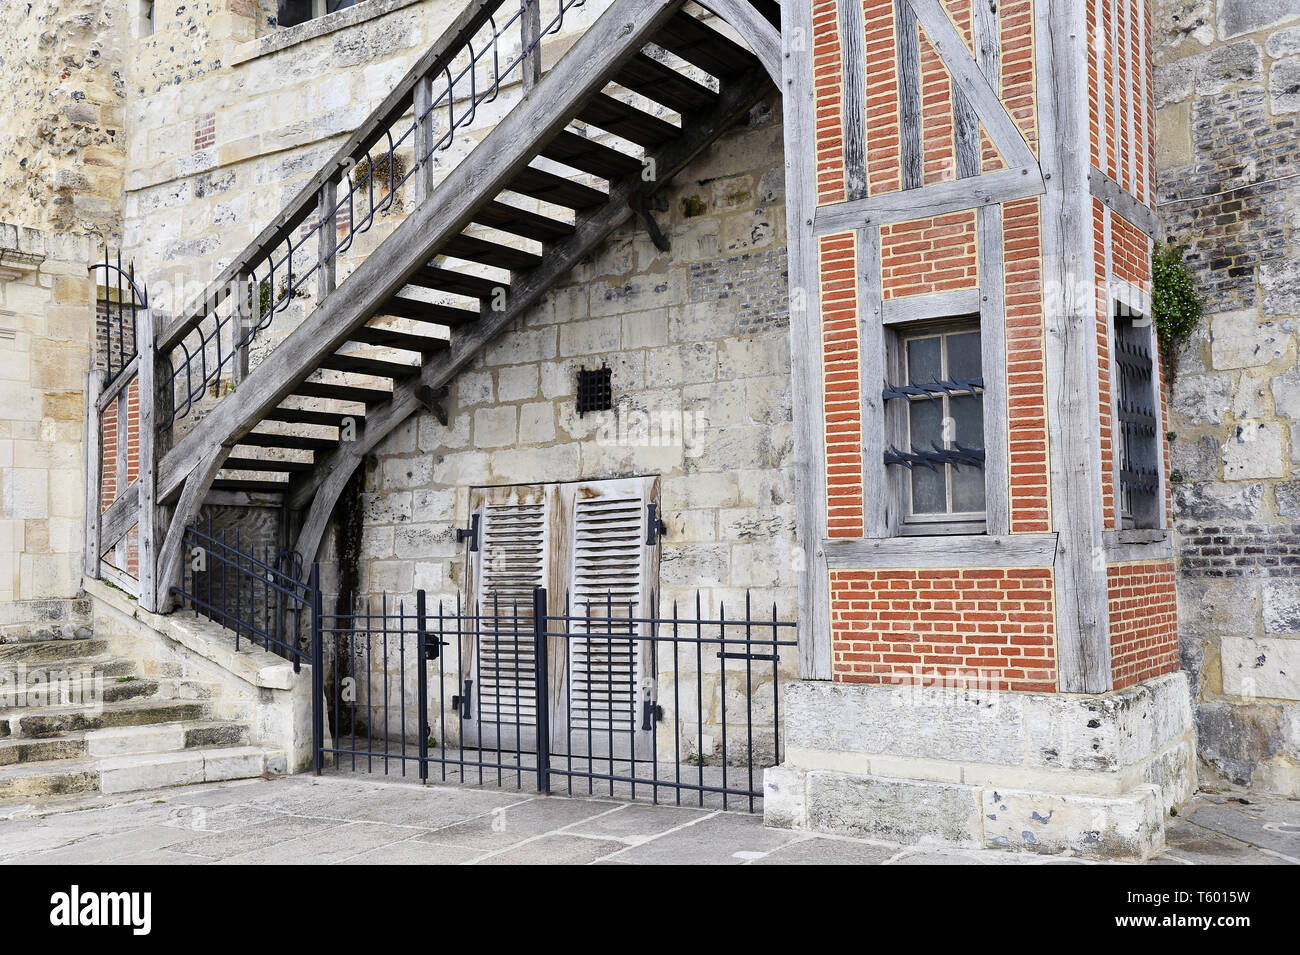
point(322, 486)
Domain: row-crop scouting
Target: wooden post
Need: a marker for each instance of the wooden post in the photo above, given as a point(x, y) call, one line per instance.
point(854, 81)
point(327, 240)
point(423, 100)
point(146, 335)
point(95, 381)
point(531, 27)
point(120, 555)
point(246, 313)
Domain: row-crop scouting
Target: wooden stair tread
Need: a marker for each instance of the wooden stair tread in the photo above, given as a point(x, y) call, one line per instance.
point(663, 84)
point(250, 487)
point(548, 187)
point(521, 222)
point(331, 419)
point(632, 124)
point(434, 314)
point(587, 155)
point(473, 249)
point(387, 338)
point(261, 464)
point(339, 392)
point(297, 442)
point(363, 365)
point(457, 283)
point(703, 46)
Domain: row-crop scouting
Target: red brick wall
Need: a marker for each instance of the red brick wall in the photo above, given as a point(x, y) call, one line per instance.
point(841, 366)
point(890, 626)
point(1143, 621)
point(828, 80)
point(108, 483)
point(937, 254)
point(883, 170)
point(1026, 368)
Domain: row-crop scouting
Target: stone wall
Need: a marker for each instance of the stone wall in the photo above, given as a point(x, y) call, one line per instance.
point(697, 343)
point(62, 107)
point(45, 345)
point(1228, 157)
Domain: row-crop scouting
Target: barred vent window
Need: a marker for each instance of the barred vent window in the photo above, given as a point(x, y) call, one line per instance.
point(1135, 411)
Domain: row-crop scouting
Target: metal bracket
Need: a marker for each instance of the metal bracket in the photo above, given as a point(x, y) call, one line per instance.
point(651, 713)
point(638, 204)
point(432, 399)
point(655, 528)
point(465, 701)
point(469, 533)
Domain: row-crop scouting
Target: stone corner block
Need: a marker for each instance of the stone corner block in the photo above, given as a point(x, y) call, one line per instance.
point(1129, 826)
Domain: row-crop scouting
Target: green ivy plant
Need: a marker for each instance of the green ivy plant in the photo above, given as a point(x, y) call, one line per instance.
point(1175, 305)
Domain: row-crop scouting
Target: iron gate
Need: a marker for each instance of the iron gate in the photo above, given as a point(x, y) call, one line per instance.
point(595, 699)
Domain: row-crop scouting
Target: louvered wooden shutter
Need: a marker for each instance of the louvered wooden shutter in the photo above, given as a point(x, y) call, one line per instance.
point(610, 578)
point(514, 557)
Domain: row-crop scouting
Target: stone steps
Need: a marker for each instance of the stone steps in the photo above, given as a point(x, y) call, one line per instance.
point(125, 741)
point(36, 653)
point(44, 632)
point(55, 721)
point(130, 772)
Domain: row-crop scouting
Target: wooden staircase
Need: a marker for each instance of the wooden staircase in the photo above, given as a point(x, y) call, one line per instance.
point(642, 91)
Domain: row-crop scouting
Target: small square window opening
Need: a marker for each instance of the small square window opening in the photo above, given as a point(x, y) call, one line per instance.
point(595, 392)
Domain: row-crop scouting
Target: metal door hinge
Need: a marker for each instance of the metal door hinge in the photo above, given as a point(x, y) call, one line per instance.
point(469, 533)
point(655, 528)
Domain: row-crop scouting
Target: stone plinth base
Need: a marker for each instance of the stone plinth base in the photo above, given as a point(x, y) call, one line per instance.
point(1092, 775)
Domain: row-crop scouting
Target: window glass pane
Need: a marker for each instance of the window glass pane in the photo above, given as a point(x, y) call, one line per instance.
point(967, 488)
point(924, 359)
point(928, 491)
point(964, 355)
point(967, 420)
point(332, 5)
point(926, 423)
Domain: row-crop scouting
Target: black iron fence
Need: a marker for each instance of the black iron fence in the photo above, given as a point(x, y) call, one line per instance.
point(264, 596)
point(604, 697)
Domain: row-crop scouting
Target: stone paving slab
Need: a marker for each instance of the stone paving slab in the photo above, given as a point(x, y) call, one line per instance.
point(349, 820)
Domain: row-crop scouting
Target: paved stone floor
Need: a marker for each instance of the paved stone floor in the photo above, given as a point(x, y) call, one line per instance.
point(340, 819)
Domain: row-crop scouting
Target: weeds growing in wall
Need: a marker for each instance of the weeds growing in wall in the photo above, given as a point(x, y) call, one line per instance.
point(1175, 305)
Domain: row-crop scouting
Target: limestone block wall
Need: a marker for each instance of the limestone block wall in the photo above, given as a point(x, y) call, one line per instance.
point(62, 108)
point(1228, 164)
point(45, 345)
point(697, 342)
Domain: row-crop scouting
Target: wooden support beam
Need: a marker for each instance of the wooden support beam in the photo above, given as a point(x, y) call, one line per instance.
point(1003, 185)
point(966, 76)
point(193, 492)
point(853, 78)
point(799, 119)
point(531, 36)
point(424, 138)
point(909, 96)
point(961, 550)
point(1069, 309)
point(122, 515)
point(759, 35)
point(1123, 202)
point(620, 32)
point(146, 334)
point(111, 389)
point(93, 468)
point(871, 332)
point(918, 308)
point(327, 241)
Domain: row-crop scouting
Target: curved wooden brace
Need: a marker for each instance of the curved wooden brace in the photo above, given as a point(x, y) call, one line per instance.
point(759, 35)
point(187, 508)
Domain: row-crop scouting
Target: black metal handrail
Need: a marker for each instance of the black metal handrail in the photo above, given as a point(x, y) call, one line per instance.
point(262, 599)
point(119, 311)
point(273, 271)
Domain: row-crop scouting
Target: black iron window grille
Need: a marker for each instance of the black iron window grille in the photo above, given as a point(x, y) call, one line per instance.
point(935, 427)
point(119, 299)
point(595, 390)
point(1135, 410)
